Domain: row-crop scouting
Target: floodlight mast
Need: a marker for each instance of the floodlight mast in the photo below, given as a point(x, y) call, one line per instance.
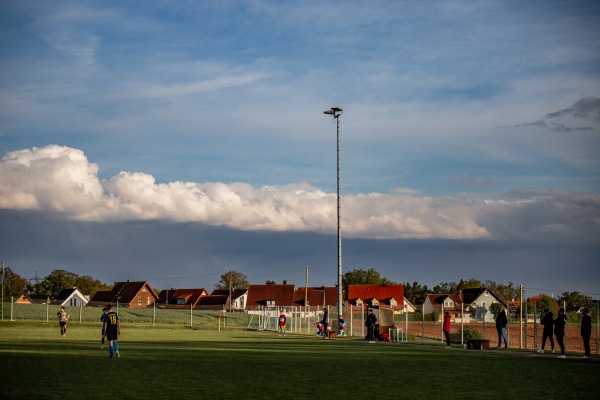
point(336, 112)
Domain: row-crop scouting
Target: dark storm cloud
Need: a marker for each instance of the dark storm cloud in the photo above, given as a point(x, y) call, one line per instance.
point(184, 255)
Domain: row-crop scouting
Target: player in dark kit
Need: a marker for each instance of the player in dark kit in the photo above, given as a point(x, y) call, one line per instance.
point(112, 329)
point(103, 320)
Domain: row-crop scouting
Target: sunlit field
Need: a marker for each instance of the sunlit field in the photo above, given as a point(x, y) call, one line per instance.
point(183, 362)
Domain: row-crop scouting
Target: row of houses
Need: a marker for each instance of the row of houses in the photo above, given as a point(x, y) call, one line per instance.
point(471, 303)
point(141, 295)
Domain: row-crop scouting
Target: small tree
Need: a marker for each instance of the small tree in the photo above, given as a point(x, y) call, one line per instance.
point(232, 280)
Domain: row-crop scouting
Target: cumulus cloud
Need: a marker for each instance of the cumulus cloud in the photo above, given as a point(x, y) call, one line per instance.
point(61, 180)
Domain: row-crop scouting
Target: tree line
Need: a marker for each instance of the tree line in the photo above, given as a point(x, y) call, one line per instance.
point(14, 285)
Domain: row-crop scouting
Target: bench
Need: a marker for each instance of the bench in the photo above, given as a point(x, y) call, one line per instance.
point(478, 344)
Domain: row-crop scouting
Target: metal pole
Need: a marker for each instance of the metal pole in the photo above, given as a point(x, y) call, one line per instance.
point(597, 323)
point(521, 317)
point(462, 324)
point(443, 323)
point(535, 325)
point(406, 312)
point(339, 226)
point(423, 323)
point(483, 317)
point(2, 290)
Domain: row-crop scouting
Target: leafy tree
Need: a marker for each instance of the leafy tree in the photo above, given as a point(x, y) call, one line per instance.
point(415, 293)
point(495, 309)
point(270, 282)
point(362, 277)
point(236, 279)
point(14, 285)
point(469, 283)
point(507, 292)
point(445, 287)
point(575, 300)
point(56, 282)
point(89, 286)
point(547, 302)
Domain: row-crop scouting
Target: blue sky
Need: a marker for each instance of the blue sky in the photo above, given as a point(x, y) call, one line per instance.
point(469, 126)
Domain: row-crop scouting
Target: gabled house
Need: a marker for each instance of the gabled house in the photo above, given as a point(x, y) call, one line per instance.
point(186, 298)
point(239, 297)
point(480, 300)
point(390, 296)
point(452, 303)
point(71, 298)
point(28, 298)
point(316, 297)
point(270, 296)
point(126, 294)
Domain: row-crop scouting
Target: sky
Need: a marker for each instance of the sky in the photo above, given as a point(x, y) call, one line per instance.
point(174, 141)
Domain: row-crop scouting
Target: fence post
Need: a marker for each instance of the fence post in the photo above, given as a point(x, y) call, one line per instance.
point(534, 326)
point(423, 323)
point(47, 311)
point(11, 308)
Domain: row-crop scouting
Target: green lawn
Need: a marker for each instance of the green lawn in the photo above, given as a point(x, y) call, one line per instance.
point(178, 362)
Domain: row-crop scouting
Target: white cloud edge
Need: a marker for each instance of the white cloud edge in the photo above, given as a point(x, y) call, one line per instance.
point(60, 179)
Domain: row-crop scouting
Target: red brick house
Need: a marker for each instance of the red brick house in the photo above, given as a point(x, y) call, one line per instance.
point(390, 296)
point(126, 294)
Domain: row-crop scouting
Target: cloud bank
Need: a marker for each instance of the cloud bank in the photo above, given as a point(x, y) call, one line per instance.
point(59, 179)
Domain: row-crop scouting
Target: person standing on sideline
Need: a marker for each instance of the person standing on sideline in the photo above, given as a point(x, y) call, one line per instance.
point(103, 320)
point(112, 329)
point(446, 328)
point(63, 317)
point(282, 321)
point(370, 324)
point(559, 331)
point(547, 322)
point(586, 332)
point(501, 322)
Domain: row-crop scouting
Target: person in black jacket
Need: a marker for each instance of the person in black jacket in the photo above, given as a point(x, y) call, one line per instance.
point(501, 322)
point(547, 322)
point(559, 331)
point(370, 324)
point(586, 332)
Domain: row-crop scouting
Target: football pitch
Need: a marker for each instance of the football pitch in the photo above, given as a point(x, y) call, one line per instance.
point(179, 363)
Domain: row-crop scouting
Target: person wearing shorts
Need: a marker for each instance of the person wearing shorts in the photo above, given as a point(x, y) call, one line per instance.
point(112, 329)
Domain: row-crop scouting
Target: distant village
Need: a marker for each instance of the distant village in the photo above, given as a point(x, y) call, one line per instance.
point(477, 304)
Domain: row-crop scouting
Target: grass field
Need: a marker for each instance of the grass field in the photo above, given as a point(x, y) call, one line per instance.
point(180, 362)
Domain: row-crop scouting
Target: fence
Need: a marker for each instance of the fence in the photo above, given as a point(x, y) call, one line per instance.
point(143, 316)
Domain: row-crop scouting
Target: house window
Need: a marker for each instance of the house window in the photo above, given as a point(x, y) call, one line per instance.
point(139, 300)
point(359, 304)
point(393, 303)
point(486, 293)
point(448, 303)
point(144, 289)
point(180, 301)
point(375, 302)
point(148, 300)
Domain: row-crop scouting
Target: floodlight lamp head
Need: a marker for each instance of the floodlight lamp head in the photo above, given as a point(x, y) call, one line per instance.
point(334, 111)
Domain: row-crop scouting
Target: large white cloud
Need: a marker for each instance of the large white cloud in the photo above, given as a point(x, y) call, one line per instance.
point(62, 180)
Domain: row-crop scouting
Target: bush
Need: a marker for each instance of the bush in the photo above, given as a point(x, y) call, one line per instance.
point(468, 335)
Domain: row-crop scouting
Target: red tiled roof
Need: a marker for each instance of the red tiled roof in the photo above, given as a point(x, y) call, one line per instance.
point(282, 295)
point(383, 294)
point(190, 296)
point(316, 296)
point(122, 292)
